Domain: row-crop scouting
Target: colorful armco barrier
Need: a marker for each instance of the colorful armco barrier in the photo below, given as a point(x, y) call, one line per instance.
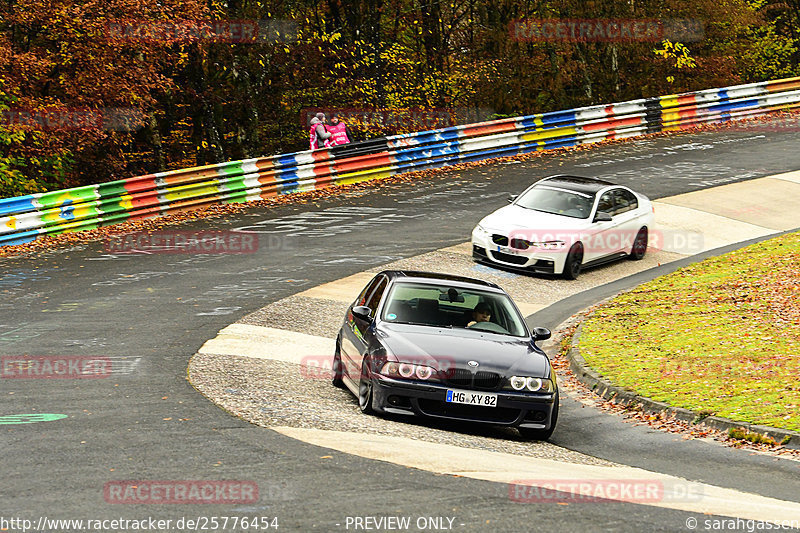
point(25, 218)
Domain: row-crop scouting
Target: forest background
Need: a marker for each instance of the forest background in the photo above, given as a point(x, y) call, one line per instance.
point(97, 90)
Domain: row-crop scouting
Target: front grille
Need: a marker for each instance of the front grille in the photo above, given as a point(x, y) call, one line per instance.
point(487, 380)
point(520, 244)
point(465, 379)
point(508, 258)
point(502, 415)
point(502, 240)
point(459, 377)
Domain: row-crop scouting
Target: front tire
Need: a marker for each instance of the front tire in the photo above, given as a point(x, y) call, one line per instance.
point(365, 394)
point(572, 266)
point(542, 434)
point(639, 247)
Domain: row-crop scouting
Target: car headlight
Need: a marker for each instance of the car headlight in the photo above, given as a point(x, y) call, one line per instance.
point(531, 384)
point(423, 372)
point(406, 370)
point(549, 245)
point(517, 382)
point(409, 371)
point(480, 231)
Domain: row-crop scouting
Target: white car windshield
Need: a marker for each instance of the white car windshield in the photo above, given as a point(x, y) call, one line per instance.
point(557, 201)
point(445, 306)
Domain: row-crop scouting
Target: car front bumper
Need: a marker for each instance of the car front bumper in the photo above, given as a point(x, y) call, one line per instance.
point(532, 260)
point(516, 409)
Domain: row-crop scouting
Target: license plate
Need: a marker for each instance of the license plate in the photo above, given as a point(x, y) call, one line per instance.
point(471, 398)
point(505, 250)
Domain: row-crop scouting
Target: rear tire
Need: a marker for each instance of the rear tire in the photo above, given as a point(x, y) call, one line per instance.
point(572, 266)
point(639, 247)
point(337, 368)
point(542, 434)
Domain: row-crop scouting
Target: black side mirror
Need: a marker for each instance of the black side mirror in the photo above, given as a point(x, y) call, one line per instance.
point(512, 197)
point(602, 216)
point(541, 334)
point(363, 312)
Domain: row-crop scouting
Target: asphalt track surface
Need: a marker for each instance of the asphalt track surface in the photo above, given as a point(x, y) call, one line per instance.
point(149, 312)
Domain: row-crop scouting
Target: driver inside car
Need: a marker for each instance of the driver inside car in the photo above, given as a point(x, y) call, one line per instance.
point(481, 313)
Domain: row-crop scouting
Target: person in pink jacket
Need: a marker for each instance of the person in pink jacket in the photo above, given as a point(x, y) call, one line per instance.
point(318, 136)
point(339, 132)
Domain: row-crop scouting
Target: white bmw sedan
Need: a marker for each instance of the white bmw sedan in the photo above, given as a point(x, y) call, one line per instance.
point(563, 224)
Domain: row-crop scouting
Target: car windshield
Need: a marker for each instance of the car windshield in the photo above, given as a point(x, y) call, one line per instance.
point(557, 201)
point(445, 306)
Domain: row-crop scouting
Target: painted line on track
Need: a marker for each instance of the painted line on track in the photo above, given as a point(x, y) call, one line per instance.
point(678, 493)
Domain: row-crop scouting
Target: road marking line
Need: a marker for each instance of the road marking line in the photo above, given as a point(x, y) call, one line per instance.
point(341, 290)
point(788, 176)
point(262, 342)
point(508, 468)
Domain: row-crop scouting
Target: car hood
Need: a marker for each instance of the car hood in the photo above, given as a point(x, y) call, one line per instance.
point(515, 218)
point(444, 348)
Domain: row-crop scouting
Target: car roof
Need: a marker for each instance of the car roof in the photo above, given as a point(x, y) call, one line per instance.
point(437, 278)
point(576, 183)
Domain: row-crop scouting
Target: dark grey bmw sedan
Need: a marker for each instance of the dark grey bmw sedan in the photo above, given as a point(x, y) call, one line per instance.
point(443, 346)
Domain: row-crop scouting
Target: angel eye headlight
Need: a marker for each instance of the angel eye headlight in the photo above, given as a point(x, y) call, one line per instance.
point(517, 382)
point(406, 370)
point(424, 372)
point(533, 384)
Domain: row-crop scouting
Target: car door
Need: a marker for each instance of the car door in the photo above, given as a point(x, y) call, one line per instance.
point(603, 239)
point(349, 335)
point(626, 218)
point(357, 332)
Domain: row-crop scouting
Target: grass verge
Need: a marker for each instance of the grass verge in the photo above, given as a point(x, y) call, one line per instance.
point(721, 336)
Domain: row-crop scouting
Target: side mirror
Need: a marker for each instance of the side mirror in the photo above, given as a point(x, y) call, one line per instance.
point(602, 216)
point(363, 312)
point(541, 334)
point(512, 197)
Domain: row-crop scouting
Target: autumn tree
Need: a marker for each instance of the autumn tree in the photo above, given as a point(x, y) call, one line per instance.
point(170, 101)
